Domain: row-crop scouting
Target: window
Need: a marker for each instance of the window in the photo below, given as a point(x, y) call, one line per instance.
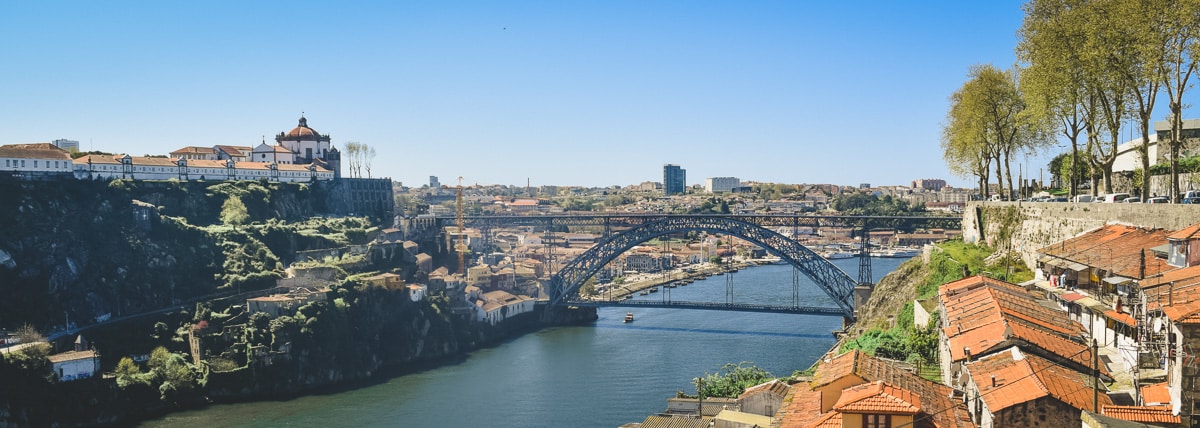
point(35, 164)
point(6, 161)
point(877, 421)
point(22, 163)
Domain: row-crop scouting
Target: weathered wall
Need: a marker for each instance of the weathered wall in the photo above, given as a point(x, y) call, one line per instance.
point(1029, 226)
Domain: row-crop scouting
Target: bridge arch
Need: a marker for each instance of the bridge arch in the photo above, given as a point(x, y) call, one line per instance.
point(832, 280)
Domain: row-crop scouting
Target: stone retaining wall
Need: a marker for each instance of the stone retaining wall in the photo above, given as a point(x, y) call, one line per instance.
point(1029, 226)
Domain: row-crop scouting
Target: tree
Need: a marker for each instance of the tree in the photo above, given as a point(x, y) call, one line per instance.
point(989, 116)
point(1050, 44)
point(1177, 23)
point(354, 154)
point(733, 379)
point(368, 157)
point(233, 211)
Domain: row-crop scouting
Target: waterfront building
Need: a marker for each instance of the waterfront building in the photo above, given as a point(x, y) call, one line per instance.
point(35, 161)
point(674, 179)
point(496, 306)
point(721, 184)
point(75, 365)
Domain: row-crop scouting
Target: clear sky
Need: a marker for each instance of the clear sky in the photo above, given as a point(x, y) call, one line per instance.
point(561, 92)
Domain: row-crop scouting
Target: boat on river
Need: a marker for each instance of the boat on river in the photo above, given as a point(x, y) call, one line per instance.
point(645, 292)
point(839, 255)
point(629, 317)
point(653, 289)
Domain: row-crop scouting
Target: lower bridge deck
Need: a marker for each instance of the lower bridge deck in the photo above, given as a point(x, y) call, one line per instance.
point(737, 307)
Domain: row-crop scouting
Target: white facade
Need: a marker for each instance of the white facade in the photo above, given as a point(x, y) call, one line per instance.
point(305, 142)
point(75, 365)
point(40, 158)
point(98, 167)
point(496, 306)
point(1128, 158)
point(721, 184)
point(268, 153)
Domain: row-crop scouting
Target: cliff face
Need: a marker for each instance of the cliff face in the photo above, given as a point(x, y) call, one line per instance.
point(80, 252)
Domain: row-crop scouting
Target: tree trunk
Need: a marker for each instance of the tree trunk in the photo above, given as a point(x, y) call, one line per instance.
point(1144, 150)
point(1000, 178)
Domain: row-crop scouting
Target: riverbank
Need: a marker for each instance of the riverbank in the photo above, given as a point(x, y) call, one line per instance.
point(652, 280)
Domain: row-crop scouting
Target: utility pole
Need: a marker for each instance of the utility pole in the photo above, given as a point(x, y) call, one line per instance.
point(1095, 377)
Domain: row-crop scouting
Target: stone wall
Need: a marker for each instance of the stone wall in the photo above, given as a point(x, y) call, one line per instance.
point(1029, 226)
point(1043, 412)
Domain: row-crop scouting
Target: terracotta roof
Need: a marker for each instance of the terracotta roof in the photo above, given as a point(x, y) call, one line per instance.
point(1185, 233)
point(801, 407)
point(878, 397)
point(1121, 317)
point(193, 150)
point(1157, 414)
point(72, 356)
point(34, 151)
point(235, 150)
point(774, 386)
point(828, 420)
point(1071, 297)
point(938, 407)
point(984, 315)
point(1116, 248)
point(1022, 377)
point(1156, 394)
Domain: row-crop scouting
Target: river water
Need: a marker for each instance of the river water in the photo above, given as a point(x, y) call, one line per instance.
point(600, 375)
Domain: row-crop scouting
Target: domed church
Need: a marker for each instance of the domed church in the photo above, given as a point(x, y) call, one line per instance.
point(308, 146)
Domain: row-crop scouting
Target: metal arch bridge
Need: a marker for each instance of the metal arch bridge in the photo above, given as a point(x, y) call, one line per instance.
point(564, 285)
point(623, 231)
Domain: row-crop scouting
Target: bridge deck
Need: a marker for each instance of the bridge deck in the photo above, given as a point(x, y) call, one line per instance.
point(737, 307)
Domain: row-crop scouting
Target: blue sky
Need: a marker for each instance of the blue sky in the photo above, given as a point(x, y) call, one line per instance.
point(560, 92)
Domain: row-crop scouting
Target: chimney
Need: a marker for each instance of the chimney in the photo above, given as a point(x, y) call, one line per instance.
point(967, 352)
point(993, 381)
point(1142, 265)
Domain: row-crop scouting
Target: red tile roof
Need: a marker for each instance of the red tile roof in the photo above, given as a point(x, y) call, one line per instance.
point(878, 397)
point(1116, 248)
point(986, 315)
point(1121, 317)
point(775, 386)
point(193, 150)
point(1155, 414)
point(1185, 233)
point(33, 151)
point(939, 409)
point(1022, 377)
point(801, 407)
point(828, 420)
point(1156, 394)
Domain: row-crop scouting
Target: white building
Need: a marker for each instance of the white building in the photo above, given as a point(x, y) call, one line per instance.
point(108, 167)
point(305, 142)
point(721, 184)
point(195, 153)
point(68, 145)
point(276, 153)
point(1128, 157)
point(35, 160)
point(496, 306)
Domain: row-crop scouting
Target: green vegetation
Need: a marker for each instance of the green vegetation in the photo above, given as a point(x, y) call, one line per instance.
point(860, 203)
point(731, 380)
point(901, 340)
point(712, 205)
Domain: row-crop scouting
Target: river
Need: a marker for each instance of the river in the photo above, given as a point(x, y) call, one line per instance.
point(600, 375)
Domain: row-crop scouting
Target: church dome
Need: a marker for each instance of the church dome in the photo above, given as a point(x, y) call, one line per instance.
point(302, 130)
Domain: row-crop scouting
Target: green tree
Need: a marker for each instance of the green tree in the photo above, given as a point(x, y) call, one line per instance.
point(733, 379)
point(989, 116)
point(1177, 25)
point(1050, 45)
point(233, 211)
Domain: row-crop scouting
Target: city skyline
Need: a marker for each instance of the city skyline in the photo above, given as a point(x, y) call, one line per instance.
point(565, 94)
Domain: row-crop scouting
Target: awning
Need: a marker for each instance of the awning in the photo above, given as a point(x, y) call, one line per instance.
point(1117, 280)
point(1066, 264)
point(1093, 304)
point(1071, 297)
point(1121, 317)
